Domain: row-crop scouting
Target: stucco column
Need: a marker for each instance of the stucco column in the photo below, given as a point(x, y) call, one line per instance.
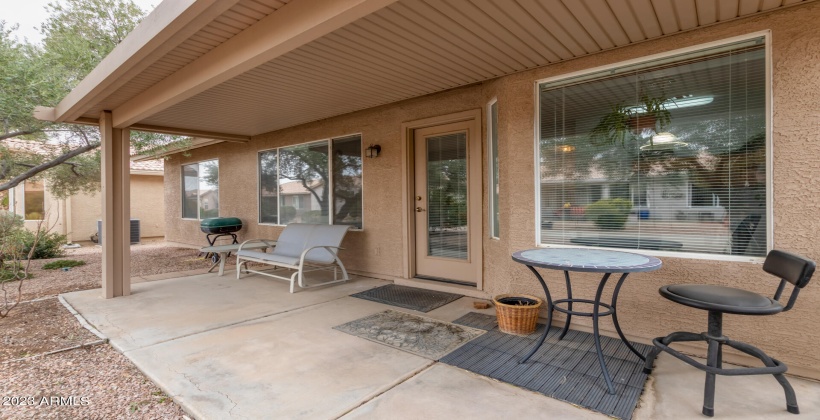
point(116, 208)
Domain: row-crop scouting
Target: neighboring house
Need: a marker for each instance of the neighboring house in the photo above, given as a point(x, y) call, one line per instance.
point(303, 201)
point(77, 216)
point(480, 110)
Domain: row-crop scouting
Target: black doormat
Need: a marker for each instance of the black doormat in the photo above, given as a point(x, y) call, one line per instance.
point(421, 300)
point(567, 370)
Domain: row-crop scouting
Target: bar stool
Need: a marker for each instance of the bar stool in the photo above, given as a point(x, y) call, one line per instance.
point(718, 300)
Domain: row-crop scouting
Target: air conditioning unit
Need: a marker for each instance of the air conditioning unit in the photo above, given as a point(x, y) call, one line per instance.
point(135, 231)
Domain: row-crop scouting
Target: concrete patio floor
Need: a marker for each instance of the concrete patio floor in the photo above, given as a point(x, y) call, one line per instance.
point(227, 348)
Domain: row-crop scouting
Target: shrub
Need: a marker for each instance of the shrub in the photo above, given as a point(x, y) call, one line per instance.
point(12, 231)
point(62, 264)
point(49, 245)
point(287, 212)
point(11, 236)
point(609, 213)
point(12, 271)
point(313, 216)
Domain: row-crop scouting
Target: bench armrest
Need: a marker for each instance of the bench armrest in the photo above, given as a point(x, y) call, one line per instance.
point(265, 241)
point(329, 248)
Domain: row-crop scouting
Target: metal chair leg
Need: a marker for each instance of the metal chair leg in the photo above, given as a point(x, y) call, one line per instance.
point(709, 388)
point(712, 360)
point(791, 397)
point(720, 356)
point(649, 362)
point(669, 339)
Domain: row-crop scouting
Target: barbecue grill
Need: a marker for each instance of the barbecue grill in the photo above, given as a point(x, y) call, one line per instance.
point(217, 227)
point(221, 226)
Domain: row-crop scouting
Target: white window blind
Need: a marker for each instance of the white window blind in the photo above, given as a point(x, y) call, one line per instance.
point(666, 155)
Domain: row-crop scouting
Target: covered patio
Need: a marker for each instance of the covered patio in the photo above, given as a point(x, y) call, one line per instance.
point(448, 136)
point(224, 348)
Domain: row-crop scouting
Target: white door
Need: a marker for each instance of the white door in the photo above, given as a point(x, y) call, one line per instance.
point(447, 203)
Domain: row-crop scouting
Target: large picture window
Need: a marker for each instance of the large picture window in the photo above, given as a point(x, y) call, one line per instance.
point(293, 184)
point(200, 190)
point(665, 155)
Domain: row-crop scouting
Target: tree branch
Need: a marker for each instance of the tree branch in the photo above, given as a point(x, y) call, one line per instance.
point(47, 165)
point(17, 133)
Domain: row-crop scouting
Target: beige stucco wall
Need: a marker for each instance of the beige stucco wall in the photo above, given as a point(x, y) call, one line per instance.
point(791, 337)
point(147, 205)
point(76, 217)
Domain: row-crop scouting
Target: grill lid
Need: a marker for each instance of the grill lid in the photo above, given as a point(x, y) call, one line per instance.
point(221, 222)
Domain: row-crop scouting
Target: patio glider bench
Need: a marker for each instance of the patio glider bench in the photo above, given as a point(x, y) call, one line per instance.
point(302, 247)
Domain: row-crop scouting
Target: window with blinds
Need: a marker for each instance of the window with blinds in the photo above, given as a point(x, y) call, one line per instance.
point(665, 155)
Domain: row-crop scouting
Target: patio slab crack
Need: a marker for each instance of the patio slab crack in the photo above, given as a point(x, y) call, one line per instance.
point(124, 332)
point(199, 388)
point(389, 388)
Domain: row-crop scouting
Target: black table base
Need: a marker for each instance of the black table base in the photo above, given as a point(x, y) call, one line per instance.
point(611, 309)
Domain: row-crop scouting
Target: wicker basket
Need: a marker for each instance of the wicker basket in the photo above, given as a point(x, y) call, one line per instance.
point(517, 319)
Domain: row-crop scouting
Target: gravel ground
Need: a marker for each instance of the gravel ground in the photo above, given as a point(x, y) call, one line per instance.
point(149, 259)
point(104, 384)
point(39, 327)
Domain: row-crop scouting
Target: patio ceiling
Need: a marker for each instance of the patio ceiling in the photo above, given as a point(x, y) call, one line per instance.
point(230, 69)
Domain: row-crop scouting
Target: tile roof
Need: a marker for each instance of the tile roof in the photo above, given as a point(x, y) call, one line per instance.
point(41, 148)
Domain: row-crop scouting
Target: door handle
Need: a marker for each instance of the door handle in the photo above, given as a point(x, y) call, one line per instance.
point(419, 209)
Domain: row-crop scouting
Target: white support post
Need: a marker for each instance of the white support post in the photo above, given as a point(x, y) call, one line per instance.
point(116, 208)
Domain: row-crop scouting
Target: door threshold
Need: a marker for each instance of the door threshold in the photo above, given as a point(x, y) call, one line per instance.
point(449, 281)
point(469, 291)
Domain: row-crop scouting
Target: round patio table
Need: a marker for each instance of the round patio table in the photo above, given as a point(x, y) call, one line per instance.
point(591, 261)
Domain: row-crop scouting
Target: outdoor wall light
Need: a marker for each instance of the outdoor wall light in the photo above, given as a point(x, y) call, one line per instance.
point(373, 151)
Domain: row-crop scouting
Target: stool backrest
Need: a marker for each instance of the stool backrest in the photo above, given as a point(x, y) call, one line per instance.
point(792, 268)
point(789, 268)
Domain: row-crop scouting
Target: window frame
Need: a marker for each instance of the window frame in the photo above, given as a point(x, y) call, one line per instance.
point(23, 201)
point(331, 198)
point(198, 204)
point(767, 45)
point(492, 170)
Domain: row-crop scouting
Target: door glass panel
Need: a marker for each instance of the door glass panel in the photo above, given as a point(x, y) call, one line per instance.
point(447, 196)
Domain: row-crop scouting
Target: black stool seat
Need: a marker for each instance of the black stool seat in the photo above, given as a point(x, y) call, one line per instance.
point(721, 298)
point(717, 300)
